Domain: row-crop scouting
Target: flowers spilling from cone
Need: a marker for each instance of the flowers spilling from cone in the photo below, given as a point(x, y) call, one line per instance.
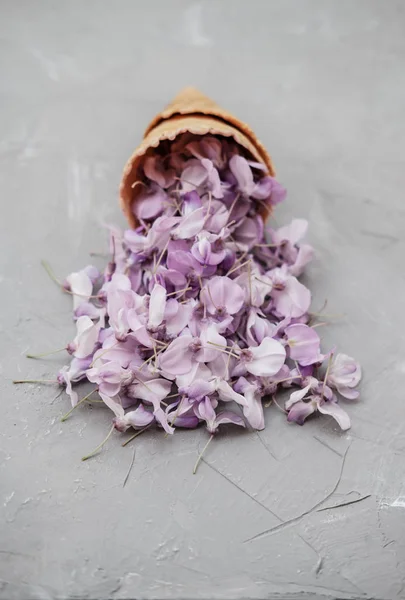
point(199, 314)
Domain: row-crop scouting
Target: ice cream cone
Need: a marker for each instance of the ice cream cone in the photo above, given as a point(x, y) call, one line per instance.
point(189, 112)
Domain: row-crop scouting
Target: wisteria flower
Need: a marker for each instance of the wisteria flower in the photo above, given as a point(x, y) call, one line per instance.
point(264, 360)
point(222, 296)
point(344, 375)
point(80, 284)
point(304, 344)
point(290, 297)
point(196, 309)
point(302, 404)
point(86, 338)
point(205, 411)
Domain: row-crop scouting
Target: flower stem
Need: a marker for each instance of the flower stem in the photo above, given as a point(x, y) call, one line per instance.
point(45, 353)
point(183, 291)
point(249, 267)
point(51, 274)
point(326, 374)
point(76, 405)
point(136, 434)
point(100, 445)
point(93, 362)
point(201, 455)
point(278, 406)
point(160, 257)
point(232, 207)
point(35, 381)
point(237, 267)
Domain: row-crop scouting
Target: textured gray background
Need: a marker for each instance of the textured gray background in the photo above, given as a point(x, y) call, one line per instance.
point(323, 84)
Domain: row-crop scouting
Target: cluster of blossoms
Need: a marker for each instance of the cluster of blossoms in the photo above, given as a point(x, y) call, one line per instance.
point(198, 316)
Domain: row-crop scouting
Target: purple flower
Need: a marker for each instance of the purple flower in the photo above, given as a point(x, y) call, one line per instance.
point(290, 297)
point(80, 284)
point(205, 411)
point(154, 168)
point(197, 306)
point(138, 418)
point(302, 403)
point(86, 337)
point(253, 407)
point(222, 296)
point(344, 374)
point(110, 377)
point(150, 202)
point(73, 373)
point(304, 344)
point(264, 360)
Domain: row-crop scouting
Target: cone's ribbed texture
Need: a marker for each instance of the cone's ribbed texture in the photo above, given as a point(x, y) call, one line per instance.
point(189, 112)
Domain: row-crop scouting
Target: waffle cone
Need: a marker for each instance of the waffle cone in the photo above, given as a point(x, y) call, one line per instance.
point(189, 112)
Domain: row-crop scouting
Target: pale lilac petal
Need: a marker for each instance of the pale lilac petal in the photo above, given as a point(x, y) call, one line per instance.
point(177, 359)
point(151, 201)
point(157, 305)
point(223, 294)
point(205, 411)
point(65, 379)
point(257, 328)
point(199, 388)
point(296, 397)
point(334, 410)
point(212, 342)
point(304, 344)
point(86, 337)
point(113, 404)
point(184, 262)
point(347, 392)
point(248, 233)
point(278, 192)
point(294, 300)
point(267, 359)
point(344, 372)
point(81, 287)
point(190, 225)
point(193, 176)
point(253, 411)
point(191, 201)
point(154, 169)
point(153, 390)
point(139, 418)
point(226, 417)
point(263, 188)
point(292, 233)
point(87, 309)
point(300, 411)
point(219, 217)
point(227, 394)
point(243, 174)
point(304, 256)
point(178, 318)
point(213, 178)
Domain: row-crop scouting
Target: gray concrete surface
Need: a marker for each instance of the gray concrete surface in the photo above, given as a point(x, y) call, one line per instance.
point(323, 84)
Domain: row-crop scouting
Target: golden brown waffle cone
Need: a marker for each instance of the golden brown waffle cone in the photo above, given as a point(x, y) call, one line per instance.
point(189, 112)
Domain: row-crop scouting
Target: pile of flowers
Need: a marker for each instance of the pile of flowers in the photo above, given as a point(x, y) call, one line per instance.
point(200, 313)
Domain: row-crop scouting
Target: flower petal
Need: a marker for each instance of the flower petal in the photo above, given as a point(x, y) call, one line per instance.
point(268, 358)
point(334, 410)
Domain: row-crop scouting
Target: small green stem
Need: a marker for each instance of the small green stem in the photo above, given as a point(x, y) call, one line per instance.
point(46, 353)
point(201, 455)
point(100, 445)
point(76, 405)
point(136, 434)
point(35, 381)
point(51, 274)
